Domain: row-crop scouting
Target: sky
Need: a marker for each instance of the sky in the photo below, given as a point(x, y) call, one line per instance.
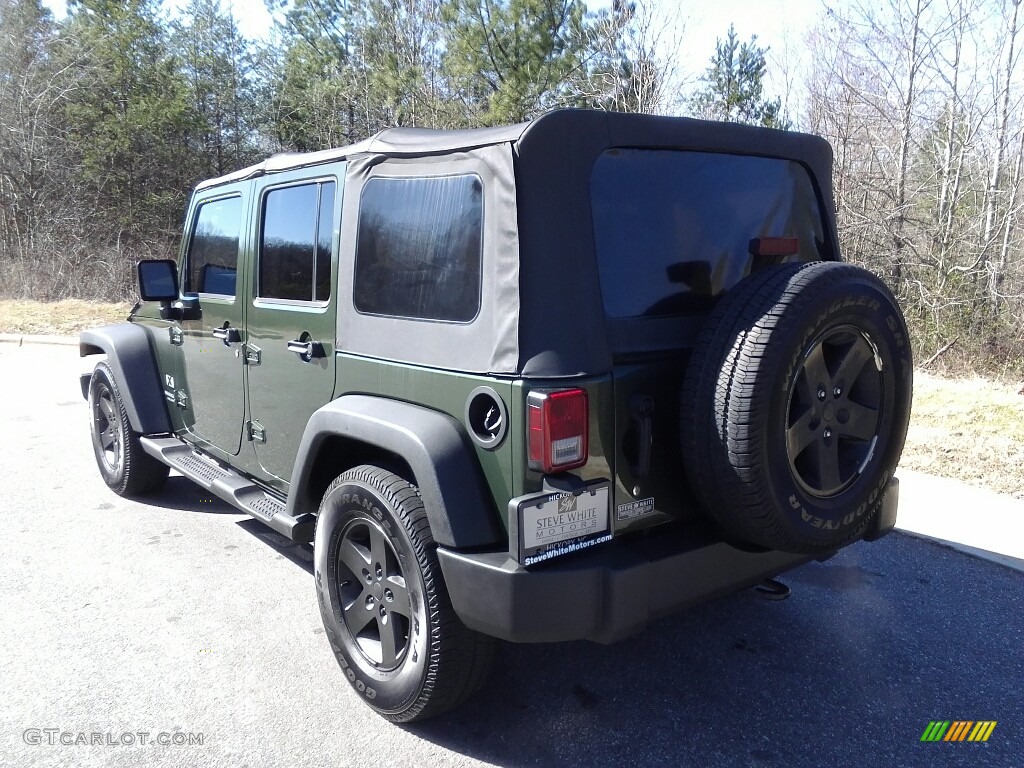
point(779, 25)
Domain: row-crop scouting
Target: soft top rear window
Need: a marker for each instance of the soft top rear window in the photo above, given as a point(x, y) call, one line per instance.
point(673, 228)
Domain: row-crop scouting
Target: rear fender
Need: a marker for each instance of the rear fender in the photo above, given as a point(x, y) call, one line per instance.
point(432, 444)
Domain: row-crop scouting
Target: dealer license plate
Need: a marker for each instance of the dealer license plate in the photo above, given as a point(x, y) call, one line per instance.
point(556, 524)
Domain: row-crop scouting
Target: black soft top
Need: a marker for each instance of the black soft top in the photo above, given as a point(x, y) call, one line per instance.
point(546, 315)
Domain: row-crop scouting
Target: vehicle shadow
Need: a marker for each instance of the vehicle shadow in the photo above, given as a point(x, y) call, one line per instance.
point(300, 554)
point(183, 495)
point(180, 493)
point(848, 671)
point(870, 647)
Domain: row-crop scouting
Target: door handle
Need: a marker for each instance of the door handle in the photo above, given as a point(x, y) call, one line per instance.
point(227, 335)
point(307, 350)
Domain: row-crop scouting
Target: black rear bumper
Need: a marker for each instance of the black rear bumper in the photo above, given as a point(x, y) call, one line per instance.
point(614, 590)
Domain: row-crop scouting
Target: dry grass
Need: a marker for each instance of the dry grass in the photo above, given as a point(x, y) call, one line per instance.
point(968, 429)
point(58, 318)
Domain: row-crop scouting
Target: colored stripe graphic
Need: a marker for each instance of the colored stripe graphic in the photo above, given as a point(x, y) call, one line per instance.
point(982, 730)
point(958, 730)
point(935, 730)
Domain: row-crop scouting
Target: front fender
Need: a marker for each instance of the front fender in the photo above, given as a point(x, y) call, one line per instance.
point(434, 445)
point(133, 364)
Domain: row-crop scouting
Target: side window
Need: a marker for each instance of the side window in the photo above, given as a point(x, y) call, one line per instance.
point(295, 243)
point(212, 260)
point(419, 248)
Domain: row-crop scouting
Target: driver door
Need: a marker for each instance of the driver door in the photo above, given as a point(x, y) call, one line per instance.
point(211, 393)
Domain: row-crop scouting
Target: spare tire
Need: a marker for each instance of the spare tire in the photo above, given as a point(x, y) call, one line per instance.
point(795, 405)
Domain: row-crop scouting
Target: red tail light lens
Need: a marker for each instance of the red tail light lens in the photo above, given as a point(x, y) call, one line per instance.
point(557, 423)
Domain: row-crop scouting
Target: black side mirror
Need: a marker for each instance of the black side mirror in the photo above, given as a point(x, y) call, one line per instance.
point(158, 280)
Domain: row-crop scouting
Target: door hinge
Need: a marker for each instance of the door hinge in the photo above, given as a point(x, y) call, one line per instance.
point(177, 335)
point(252, 355)
point(257, 433)
point(182, 399)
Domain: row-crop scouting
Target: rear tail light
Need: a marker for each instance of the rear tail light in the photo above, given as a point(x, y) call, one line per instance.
point(557, 424)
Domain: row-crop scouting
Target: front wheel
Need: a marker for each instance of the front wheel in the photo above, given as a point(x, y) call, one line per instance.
point(384, 604)
point(124, 466)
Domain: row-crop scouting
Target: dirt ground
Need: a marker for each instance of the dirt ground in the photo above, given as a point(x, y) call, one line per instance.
point(968, 429)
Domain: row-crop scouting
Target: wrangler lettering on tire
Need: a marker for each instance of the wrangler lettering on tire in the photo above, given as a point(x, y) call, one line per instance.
point(796, 404)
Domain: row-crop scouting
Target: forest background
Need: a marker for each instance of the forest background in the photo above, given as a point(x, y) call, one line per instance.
point(111, 113)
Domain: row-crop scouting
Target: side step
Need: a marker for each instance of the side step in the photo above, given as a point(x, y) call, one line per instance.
point(235, 489)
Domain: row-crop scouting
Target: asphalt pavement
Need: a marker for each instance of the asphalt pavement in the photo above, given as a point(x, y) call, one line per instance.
point(180, 620)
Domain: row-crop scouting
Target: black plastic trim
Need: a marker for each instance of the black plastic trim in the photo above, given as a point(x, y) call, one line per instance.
point(433, 444)
point(133, 364)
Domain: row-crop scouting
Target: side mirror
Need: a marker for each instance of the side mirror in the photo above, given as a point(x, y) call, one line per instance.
point(158, 280)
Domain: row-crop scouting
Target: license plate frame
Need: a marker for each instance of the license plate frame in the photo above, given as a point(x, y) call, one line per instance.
point(545, 526)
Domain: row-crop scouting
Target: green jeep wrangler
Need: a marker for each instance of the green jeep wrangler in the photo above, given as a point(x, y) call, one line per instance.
point(542, 382)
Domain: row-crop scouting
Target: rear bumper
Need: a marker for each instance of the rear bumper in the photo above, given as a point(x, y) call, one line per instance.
point(612, 591)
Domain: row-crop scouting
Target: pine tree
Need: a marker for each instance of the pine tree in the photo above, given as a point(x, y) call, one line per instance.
point(509, 60)
point(217, 63)
point(734, 85)
point(129, 117)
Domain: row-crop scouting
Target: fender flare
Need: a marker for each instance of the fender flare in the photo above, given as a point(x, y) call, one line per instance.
point(133, 364)
point(435, 446)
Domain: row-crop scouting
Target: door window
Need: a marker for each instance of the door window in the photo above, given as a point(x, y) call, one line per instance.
point(295, 243)
point(213, 251)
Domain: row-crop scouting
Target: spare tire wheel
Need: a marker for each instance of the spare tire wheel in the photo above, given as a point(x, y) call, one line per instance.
point(795, 405)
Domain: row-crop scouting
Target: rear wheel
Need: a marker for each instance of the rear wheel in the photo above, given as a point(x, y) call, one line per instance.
point(384, 604)
point(124, 466)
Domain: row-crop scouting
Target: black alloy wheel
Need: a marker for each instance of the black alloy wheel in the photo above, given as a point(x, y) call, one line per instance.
point(795, 406)
point(107, 426)
point(835, 411)
point(383, 600)
point(124, 465)
point(377, 606)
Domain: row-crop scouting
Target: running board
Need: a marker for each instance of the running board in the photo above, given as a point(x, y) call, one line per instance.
point(227, 484)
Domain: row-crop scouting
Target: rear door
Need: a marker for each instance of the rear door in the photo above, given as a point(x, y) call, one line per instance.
point(291, 317)
point(208, 391)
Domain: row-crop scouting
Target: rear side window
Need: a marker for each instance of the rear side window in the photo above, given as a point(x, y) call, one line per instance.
point(419, 248)
point(295, 243)
point(213, 250)
point(673, 229)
